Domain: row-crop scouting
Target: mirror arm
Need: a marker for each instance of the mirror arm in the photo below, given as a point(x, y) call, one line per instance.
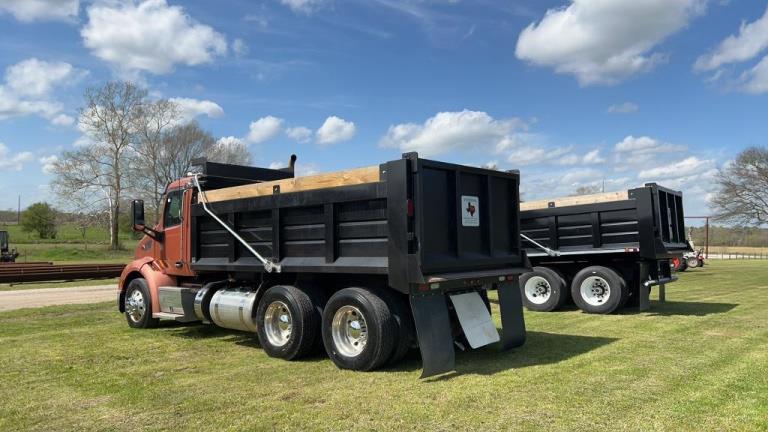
point(149, 232)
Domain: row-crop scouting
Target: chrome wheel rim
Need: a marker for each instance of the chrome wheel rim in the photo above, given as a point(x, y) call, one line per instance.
point(595, 290)
point(537, 290)
point(278, 323)
point(135, 306)
point(349, 331)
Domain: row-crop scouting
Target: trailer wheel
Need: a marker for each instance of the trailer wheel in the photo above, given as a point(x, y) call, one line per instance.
point(693, 262)
point(359, 329)
point(287, 322)
point(138, 305)
point(401, 311)
point(598, 290)
point(543, 290)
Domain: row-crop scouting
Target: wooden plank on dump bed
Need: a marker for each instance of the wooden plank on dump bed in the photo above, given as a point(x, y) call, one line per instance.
point(576, 200)
point(334, 179)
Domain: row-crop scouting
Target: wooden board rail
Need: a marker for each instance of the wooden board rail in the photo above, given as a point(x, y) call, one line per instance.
point(575, 200)
point(335, 179)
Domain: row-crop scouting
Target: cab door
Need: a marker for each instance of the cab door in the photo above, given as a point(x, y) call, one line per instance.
point(174, 249)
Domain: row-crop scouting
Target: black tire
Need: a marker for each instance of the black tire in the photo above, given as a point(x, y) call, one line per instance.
point(611, 299)
point(138, 315)
point(693, 262)
point(556, 289)
point(406, 332)
point(304, 322)
point(380, 324)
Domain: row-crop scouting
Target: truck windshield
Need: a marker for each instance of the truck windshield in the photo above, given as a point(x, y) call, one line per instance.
point(172, 213)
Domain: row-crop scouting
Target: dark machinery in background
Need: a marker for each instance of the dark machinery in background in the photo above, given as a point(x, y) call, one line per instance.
point(6, 254)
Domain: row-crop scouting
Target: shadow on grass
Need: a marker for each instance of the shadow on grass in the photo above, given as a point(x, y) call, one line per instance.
point(242, 338)
point(671, 308)
point(540, 348)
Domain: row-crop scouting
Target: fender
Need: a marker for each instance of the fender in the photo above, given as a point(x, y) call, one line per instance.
point(149, 269)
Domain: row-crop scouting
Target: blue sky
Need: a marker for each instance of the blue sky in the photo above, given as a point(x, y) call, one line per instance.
point(572, 93)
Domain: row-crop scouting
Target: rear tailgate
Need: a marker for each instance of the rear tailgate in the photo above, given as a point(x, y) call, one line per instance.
point(660, 212)
point(467, 219)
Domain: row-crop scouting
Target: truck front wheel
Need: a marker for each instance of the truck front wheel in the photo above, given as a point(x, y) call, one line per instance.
point(543, 290)
point(358, 329)
point(598, 290)
point(138, 305)
point(288, 322)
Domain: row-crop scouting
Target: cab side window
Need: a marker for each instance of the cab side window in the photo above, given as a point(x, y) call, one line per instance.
point(172, 212)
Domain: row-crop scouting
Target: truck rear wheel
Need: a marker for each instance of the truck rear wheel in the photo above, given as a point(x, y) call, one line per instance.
point(543, 290)
point(138, 305)
point(288, 322)
point(359, 329)
point(598, 290)
point(401, 311)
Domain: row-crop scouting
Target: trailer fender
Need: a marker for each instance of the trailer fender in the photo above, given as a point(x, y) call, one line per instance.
point(148, 269)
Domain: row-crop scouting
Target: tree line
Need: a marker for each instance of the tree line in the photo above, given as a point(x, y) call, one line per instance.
point(134, 146)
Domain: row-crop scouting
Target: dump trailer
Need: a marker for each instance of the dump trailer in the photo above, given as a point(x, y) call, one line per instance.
point(603, 251)
point(365, 263)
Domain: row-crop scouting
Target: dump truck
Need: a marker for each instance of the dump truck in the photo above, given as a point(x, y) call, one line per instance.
point(365, 263)
point(6, 253)
point(602, 251)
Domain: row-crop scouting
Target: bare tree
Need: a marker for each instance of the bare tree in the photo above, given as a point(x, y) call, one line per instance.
point(99, 170)
point(152, 124)
point(743, 194)
point(230, 152)
point(586, 190)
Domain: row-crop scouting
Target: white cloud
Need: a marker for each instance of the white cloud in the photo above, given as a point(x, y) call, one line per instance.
point(264, 129)
point(578, 177)
point(635, 150)
point(624, 108)
point(48, 163)
point(755, 80)
point(447, 132)
point(335, 130)
point(303, 6)
point(191, 108)
point(604, 42)
point(27, 87)
point(41, 10)
point(63, 120)
point(35, 78)
point(593, 157)
point(15, 161)
point(751, 41)
point(149, 36)
point(240, 48)
point(691, 165)
point(590, 158)
point(299, 134)
point(530, 155)
point(230, 141)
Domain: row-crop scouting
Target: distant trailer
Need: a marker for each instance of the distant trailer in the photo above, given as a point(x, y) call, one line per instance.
point(603, 251)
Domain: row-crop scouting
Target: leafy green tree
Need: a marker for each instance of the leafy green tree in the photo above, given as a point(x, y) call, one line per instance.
point(40, 218)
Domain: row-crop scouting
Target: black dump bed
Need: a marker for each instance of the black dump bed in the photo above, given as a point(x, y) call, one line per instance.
point(422, 220)
point(650, 221)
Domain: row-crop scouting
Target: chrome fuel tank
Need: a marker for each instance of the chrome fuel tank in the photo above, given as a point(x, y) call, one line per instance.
point(234, 309)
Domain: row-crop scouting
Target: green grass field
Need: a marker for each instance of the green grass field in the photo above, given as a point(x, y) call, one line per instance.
point(70, 246)
point(698, 362)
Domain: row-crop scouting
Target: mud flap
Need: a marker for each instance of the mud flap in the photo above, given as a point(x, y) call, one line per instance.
point(511, 308)
point(475, 319)
point(433, 329)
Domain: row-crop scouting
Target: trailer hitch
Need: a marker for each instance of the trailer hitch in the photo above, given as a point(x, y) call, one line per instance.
point(269, 266)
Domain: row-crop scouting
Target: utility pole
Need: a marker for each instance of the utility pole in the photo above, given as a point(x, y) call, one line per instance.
point(18, 212)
